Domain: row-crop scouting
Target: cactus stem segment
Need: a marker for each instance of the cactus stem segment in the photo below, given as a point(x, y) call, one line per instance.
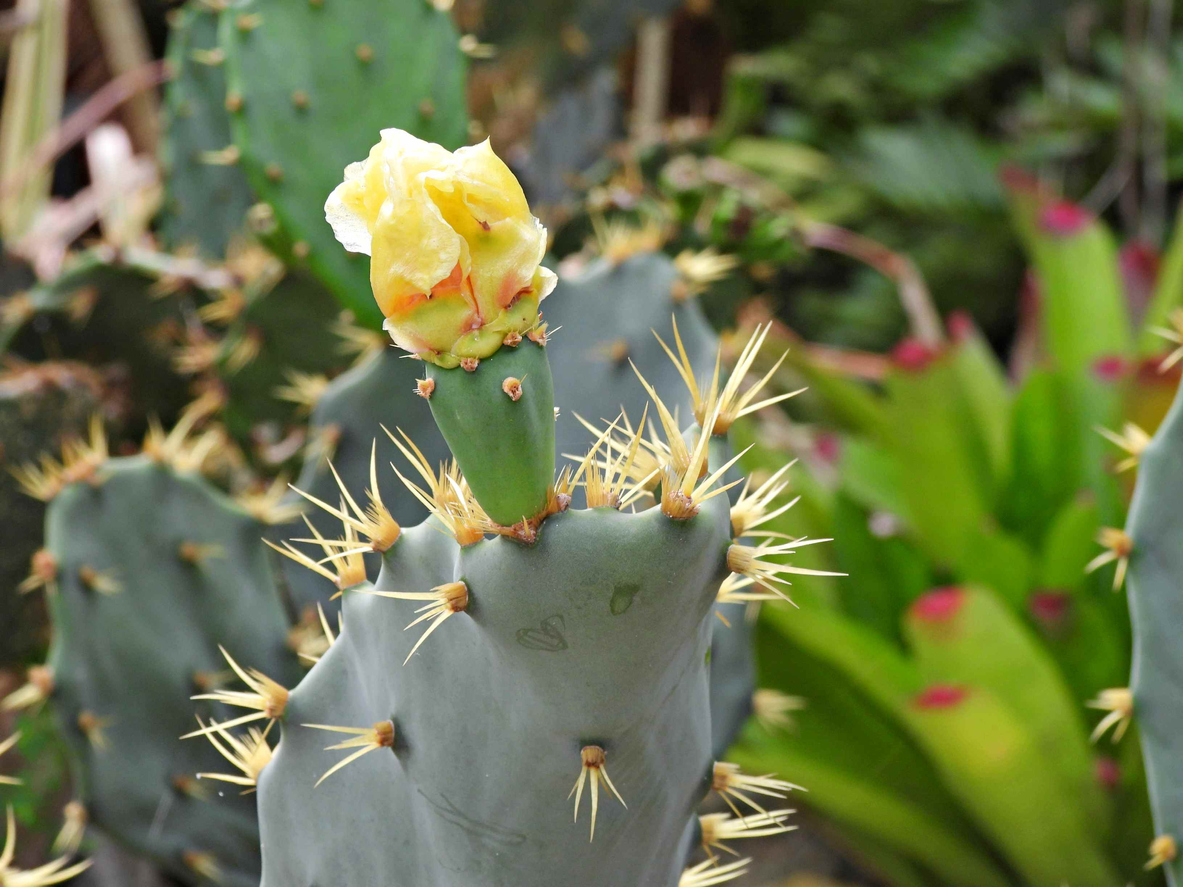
point(720, 827)
point(267, 698)
point(1132, 440)
point(374, 522)
point(424, 388)
point(442, 601)
point(54, 872)
point(593, 764)
point(716, 409)
point(38, 686)
point(1163, 849)
point(709, 873)
point(731, 783)
point(1119, 546)
point(1119, 703)
point(774, 709)
point(249, 754)
point(751, 509)
point(74, 822)
point(43, 572)
point(751, 563)
point(94, 729)
point(366, 740)
point(5, 746)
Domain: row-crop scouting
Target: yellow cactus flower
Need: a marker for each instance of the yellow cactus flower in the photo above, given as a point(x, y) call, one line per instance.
point(454, 250)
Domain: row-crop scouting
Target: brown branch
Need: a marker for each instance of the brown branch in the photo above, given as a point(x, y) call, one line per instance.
point(914, 295)
point(92, 112)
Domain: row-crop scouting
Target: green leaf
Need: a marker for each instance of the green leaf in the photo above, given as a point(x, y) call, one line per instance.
point(968, 636)
point(1070, 545)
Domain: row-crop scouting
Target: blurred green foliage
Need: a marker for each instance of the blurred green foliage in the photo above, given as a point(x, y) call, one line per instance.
point(955, 662)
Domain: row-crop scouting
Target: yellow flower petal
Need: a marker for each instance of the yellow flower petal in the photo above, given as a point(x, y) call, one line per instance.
point(455, 252)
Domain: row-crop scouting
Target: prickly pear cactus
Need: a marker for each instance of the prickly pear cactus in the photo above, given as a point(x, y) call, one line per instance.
point(207, 195)
point(1154, 548)
point(150, 575)
point(621, 305)
point(516, 643)
point(303, 80)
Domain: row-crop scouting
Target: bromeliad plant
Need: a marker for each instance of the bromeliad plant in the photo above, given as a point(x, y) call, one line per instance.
point(946, 731)
point(548, 645)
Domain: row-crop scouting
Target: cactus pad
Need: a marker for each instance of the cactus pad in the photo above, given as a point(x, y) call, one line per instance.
point(155, 570)
point(207, 195)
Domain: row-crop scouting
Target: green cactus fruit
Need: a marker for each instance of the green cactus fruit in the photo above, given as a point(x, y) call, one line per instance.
point(1155, 694)
point(40, 406)
point(152, 572)
point(498, 418)
point(207, 196)
point(304, 77)
point(536, 663)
